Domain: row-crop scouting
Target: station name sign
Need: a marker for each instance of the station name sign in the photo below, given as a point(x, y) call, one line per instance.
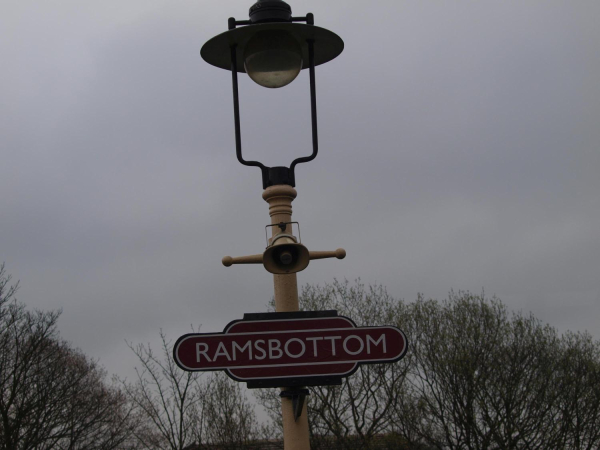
point(305, 348)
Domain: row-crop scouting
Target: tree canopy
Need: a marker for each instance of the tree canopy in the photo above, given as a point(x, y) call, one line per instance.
point(475, 376)
point(53, 396)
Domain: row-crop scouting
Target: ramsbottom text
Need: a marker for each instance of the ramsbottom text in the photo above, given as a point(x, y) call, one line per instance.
point(312, 347)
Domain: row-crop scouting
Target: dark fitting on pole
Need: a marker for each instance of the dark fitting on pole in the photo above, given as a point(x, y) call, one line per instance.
point(270, 11)
point(272, 48)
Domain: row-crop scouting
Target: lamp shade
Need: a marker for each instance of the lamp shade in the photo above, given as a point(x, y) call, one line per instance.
point(217, 51)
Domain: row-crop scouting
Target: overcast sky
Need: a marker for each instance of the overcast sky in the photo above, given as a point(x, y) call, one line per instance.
point(459, 149)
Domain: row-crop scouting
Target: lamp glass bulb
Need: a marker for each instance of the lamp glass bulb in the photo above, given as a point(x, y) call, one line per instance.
point(272, 58)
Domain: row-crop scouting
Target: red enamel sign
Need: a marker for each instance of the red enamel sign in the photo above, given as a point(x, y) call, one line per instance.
point(305, 348)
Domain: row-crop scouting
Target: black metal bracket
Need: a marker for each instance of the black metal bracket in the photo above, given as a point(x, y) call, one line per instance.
point(298, 397)
point(272, 176)
point(309, 19)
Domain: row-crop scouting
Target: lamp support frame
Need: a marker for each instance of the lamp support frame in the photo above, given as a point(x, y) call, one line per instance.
point(272, 176)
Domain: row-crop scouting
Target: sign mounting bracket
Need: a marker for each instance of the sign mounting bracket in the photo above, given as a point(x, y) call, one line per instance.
point(298, 397)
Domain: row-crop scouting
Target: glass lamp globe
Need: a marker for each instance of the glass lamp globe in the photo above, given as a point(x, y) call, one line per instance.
point(272, 58)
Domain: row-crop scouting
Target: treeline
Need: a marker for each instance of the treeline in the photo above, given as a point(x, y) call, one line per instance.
point(55, 397)
point(476, 376)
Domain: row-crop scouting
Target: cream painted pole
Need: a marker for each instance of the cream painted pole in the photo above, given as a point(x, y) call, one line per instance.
point(279, 198)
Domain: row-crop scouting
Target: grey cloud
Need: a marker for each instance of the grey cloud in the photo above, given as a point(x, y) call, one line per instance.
point(458, 149)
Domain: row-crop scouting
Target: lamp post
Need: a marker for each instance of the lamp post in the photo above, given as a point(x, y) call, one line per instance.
point(272, 47)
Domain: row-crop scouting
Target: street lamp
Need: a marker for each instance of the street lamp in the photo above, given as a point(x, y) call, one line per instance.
point(272, 47)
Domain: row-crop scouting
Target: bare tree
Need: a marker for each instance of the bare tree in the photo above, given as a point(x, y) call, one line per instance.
point(482, 378)
point(52, 396)
point(182, 410)
point(578, 387)
point(168, 400)
point(229, 417)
